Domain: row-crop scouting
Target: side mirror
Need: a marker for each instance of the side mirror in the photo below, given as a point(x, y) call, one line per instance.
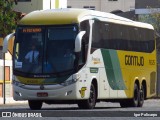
point(78, 43)
point(5, 42)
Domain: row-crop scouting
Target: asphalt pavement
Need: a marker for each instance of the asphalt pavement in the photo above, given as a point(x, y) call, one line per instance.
point(102, 111)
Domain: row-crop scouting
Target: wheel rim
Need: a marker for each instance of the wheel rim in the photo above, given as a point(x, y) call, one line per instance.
point(141, 98)
point(142, 95)
point(136, 96)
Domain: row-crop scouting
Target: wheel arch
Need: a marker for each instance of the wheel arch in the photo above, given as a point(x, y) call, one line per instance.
point(137, 82)
point(144, 84)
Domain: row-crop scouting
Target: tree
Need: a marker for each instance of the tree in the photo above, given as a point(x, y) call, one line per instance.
point(7, 17)
point(156, 21)
point(153, 19)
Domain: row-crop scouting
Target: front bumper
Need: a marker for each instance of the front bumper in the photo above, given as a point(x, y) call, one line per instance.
point(70, 92)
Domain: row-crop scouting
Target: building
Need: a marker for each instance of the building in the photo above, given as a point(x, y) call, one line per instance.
point(144, 7)
point(103, 5)
point(8, 74)
point(26, 6)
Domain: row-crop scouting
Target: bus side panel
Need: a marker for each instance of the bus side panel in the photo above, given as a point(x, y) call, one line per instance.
point(104, 88)
point(138, 66)
point(114, 73)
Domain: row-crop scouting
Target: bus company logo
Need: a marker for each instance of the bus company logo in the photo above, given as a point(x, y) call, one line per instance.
point(82, 92)
point(96, 60)
point(134, 60)
point(6, 114)
point(42, 87)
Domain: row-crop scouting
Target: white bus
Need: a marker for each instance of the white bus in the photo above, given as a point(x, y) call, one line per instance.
point(82, 56)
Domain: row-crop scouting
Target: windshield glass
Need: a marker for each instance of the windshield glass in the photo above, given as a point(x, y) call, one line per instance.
point(60, 49)
point(44, 50)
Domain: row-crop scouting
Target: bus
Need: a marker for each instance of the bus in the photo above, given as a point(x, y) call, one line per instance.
point(82, 57)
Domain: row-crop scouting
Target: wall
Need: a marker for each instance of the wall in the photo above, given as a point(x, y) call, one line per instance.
point(147, 3)
point(103, 5)
point(26, 7)
point(8, 77)
point(147, 6)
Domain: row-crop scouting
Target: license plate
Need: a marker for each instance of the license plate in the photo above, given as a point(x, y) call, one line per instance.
point(42, 94)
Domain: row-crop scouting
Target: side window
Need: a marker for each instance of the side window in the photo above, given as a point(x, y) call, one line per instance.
point(84, 26)
point(151, 43)
point(122, 37)
point(105, 35)
point(101, 35)
point(96, 35)
point(136, 40)
point(112, 37)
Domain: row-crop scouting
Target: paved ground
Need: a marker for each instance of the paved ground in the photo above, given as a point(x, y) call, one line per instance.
point(102, 111)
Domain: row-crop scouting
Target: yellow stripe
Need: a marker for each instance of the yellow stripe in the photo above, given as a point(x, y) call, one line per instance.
point(56, 3)
point(30, 80)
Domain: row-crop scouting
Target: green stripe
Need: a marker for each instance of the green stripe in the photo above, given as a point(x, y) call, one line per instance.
point(113, 70)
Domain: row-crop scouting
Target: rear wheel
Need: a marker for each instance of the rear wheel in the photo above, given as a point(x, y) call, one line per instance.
point(132, 102)
point(35, 105)
point(141, 97)
point(135, 99)
point(89, 103)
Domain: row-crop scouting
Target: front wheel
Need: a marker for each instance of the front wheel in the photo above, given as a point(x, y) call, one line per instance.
point(89, 103)
point(35, 105)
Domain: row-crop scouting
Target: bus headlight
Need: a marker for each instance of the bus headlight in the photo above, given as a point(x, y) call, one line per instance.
point(76, 76)
point(71, 81)
point(16, 83)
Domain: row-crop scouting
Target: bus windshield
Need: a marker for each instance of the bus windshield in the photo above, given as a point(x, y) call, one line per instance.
point(44, 50)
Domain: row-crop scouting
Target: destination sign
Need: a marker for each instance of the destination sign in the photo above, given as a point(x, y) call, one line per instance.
point(31, 30)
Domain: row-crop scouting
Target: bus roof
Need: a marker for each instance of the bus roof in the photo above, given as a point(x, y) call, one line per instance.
point(72, 15)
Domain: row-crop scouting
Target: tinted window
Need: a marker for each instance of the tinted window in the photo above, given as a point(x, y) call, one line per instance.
point(84, 26)
point(122, 37)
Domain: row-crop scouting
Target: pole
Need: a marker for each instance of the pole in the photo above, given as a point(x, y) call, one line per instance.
point(4, 82)
point(50, 5)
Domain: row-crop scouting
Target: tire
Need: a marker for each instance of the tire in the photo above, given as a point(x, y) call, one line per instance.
point(134, 101)
point(35, 105)
point(141, 97)
point(91, 102)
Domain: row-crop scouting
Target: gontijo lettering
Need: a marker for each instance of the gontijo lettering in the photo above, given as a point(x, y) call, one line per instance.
point(134, 60)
